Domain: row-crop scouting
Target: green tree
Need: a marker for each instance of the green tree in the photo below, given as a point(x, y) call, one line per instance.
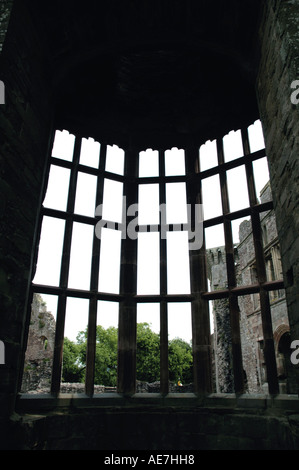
point(73, 369)
point(147, 357)
point(106, 356)
point(148, 354)
point(180, 361)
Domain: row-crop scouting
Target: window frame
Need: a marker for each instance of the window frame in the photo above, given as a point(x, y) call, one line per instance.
point(199, 296)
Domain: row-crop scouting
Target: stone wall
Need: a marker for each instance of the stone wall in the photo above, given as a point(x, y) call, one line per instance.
point(25, 121)
point(250, 315)
point(279, 67)
point(144, 426)
point(40, 348)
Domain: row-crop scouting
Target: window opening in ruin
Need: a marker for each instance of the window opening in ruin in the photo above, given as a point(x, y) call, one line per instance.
point(106, 283)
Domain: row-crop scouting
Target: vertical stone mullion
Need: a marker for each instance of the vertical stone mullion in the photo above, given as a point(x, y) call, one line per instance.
point(128, 285)
point(202, 354)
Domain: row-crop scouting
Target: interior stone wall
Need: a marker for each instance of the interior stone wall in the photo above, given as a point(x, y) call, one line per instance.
point(25, 123)
point(278, 69)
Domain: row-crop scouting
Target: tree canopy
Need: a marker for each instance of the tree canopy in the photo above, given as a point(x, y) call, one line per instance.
point(147, 357)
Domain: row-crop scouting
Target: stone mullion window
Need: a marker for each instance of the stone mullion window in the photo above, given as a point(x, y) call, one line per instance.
point(198, 297)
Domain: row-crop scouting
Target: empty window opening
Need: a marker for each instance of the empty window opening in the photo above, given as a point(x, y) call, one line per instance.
point(148, 263)
point(232, 146)
point(237, 188)
point(85, 202)
point(148, 204)
point(63, 146)
point(90, 153)
point(57, 190)
point(112, 201)
point(175, 162)
point(80, 256)
point(148, 348)
point(110, 252)
point(208, 155)
point(178, 272)
point(148, 163)
point(176, 203)
point(86, 271)
point(50, 251)
point(115, 160)
point(211, 197)
point(180, 346)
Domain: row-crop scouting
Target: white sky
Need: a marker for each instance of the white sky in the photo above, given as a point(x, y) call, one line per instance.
point(179, 314)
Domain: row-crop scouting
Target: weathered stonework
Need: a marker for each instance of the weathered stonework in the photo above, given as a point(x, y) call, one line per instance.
point(40, 347)
point(250, 317)
point(278, 68)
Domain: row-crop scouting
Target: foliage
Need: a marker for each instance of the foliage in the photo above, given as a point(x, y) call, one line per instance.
point(148, 354)
point(147, 357)
point(180, 361)
point(73, 369)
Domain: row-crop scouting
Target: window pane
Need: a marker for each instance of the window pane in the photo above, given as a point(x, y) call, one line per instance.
point(178, 275)
point(49, 252)
point(208, 155)
point(63, 146)
point(115, 159)
point(57, 190)
point(176, 203)
point(81, 255)
point(175, 162)
point(211, 197)
point(241, 228)
point(217, 271)
point(107, 314)
point(179, 321)
point(148, 204)
point(76, 318)
point(214, 236)
point(232, 146)
point(110, 261)
point(256, 136)
point(112, 200)
point(261, 175)
point(75, 332)
point(90, 153)
point(106, 344)
point(149, 313)
point(211, 316)
point(149, 163)
point(245, 266)
point(86, 194)
point(148, 348)
point(148, 266)
point(179, 347)
point(237, 188)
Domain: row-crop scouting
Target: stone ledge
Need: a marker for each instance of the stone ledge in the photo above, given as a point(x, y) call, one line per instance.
point(38, 403)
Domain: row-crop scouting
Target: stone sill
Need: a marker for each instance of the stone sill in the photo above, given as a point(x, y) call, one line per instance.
point(28, 403)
